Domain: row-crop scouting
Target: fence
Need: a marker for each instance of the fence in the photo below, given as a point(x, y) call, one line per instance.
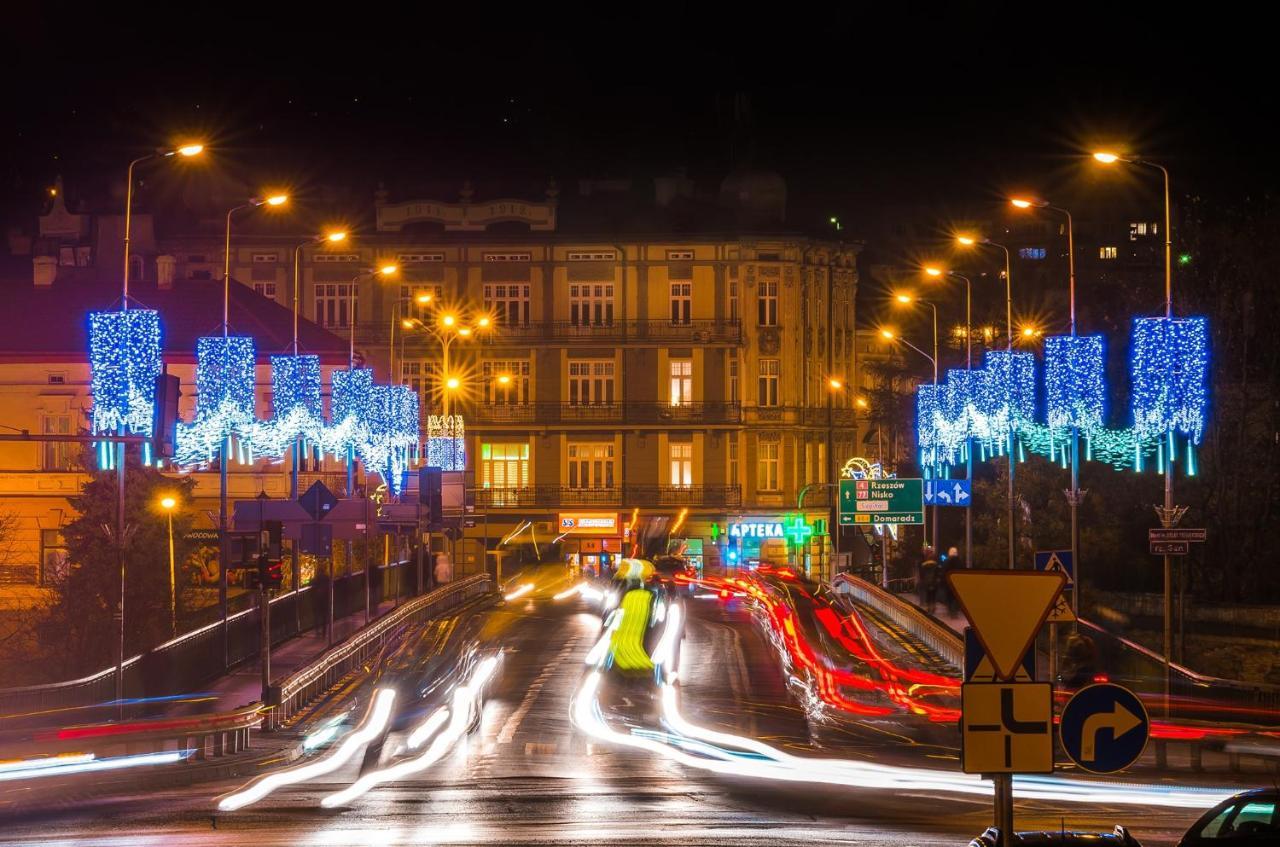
point(938, 637)
point(194, 658)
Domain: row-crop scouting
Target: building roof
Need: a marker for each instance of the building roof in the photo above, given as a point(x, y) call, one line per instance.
point(50, 323)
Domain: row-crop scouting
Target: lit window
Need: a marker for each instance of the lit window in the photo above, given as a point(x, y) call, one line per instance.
point(1137, 228)
point(266, 289)
point(591, 304)
point(506, 383)
point(504, 466)
point(1108, 252)
point(770, 370)
point(681, 463)
point(1033, 253)
point(767, 475)
point(681, 382)
point(58, 455)
point(591, 466)
point(767, 303)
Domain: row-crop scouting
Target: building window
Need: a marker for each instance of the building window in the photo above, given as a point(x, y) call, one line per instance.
point(506, 383)
point(58, 455)
point(768, 476)
point(332, 258)
point(422, 377)
point(681, 303)
point(734, 310)
point(1033, 253)
point(334, 306)
point(733, 377)
point(504, 466)
point(681, 382)
point(591, 466)
point(1136, 229)
point(265, 289)
point(409, 305)
point(767, 303)
point(265, 258)
point(770, 370)
point(592, 256)
point(681, 455)
point(53, 556)
point(508, 303)
point(1107, 252)
point(591, 304)
point(590, 382)
point(733, 458)
point(418, 258)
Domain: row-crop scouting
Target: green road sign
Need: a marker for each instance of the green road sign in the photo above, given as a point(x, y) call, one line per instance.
point(872, 501)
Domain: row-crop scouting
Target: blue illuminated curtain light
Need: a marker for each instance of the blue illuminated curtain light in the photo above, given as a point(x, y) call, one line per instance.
point(124, 361)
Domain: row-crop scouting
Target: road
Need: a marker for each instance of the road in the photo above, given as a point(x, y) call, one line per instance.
point(527, 775)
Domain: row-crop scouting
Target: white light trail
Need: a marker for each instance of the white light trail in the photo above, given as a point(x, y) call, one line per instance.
point(783, 767)
point(92, 765)
point(427, 728)
point(664, 652)
point(595, 657)
point(586, 590)
point(466, 702)
point(375, 721)
point(19, 765)
point(519, 592)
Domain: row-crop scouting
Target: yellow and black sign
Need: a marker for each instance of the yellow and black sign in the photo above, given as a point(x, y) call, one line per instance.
point(1007, 727)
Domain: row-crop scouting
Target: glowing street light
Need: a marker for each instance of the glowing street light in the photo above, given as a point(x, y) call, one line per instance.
point(452, 383)
point(835, 383)
point(168, 504)
point(504, 379)
point(887, 333)
point(904, 298)
point(464, 331)
point(448, 320)
point(335, 237)
point(189, 150)
point(1107, 158)
point(423, 299)
point(276, 200)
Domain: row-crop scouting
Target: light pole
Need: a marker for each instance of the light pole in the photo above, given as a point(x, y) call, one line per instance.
point(1074, 494)
point(907, 300)
point(384, 270)
point(1008, 319)
point(167, 504)
point(933, 360)
point(186, 151)
point(1169, 514)
point(224, 453)
point(397, 316)
point(968, 441)
point(447, 329)
point(835, 385)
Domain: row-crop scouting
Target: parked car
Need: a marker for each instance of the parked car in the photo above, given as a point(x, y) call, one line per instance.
point(1245, 820)
point(1119, 837)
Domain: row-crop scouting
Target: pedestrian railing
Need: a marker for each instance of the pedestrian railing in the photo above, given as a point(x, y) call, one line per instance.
point(292, 694)
point(938, 637)
point(195, 657)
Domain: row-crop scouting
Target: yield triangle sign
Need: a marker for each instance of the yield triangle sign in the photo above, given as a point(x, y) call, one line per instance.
point(1006, 610)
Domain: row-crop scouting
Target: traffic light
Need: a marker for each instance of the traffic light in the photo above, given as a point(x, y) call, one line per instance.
point(263, 571)
point(430, 486)
point(274, 578)
point(164, 423)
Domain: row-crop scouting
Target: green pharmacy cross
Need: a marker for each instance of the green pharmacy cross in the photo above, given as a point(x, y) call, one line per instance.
point(797, 530)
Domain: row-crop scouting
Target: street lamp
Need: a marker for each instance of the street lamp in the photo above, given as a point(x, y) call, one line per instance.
point(382, 270)
point(186, 151)
point(1169, 514)
point(446, 329)
point(969, 241)
point(1074, 495)
point(336, 237)
point(168, 504)
point(906, 300)
point(938, 273)
point(275, 201)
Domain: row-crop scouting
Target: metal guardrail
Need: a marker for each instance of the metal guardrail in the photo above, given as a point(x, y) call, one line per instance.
point(937, 637)
point(195, 657)
point(294, 692)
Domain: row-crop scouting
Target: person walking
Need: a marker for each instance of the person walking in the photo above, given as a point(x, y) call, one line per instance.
point(954, 562)
point(929, 580)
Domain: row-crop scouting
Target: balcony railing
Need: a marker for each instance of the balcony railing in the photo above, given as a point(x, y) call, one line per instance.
point(652, 331)
point(616, 413)
point(555, 496)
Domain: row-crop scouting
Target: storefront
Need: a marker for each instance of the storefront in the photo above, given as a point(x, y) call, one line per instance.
point(592, 541)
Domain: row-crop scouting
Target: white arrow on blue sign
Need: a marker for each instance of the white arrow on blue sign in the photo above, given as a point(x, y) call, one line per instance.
point(948, 492)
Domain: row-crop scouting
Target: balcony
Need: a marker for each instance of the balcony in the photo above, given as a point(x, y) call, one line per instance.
point(634, 331)
point(608, 413)
point(557, 496)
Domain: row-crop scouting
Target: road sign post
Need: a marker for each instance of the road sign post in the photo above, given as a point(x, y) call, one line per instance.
point(1063, 562)
point(1006, 725)
point(881, 501)
point(1105, 728)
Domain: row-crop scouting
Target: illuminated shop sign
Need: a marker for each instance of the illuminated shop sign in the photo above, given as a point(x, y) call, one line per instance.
point(589, 523)
point(745, 529)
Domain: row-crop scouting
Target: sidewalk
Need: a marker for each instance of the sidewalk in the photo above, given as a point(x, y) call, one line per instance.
point(243, 685)
point(955, 621)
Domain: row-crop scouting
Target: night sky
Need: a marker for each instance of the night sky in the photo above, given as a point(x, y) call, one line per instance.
point(865, 116)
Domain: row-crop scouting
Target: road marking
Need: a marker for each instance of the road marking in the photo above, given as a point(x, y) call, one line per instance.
point(508, 731)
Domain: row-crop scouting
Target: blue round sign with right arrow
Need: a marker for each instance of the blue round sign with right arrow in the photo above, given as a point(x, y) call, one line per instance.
point(1104, 728)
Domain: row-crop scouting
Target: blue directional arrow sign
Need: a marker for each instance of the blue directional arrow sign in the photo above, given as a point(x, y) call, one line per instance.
point(1104, 728)
point(948, 492)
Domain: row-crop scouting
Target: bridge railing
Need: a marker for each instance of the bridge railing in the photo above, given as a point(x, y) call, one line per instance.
point(196, 657)
point(938, 637)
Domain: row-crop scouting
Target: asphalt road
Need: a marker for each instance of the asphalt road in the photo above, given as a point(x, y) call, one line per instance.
point(527, 775)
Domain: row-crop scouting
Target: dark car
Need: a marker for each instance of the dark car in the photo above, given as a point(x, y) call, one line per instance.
point(674, 573)
point(1119, 837)
point(1245, 820)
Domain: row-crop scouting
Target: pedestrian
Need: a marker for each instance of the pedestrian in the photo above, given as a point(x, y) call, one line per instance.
point(928, 580)
point(1081, 663)
point(444, 569)
point(954, 563)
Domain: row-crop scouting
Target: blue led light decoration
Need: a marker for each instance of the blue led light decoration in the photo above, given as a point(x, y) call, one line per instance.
point(295, 396)
point(225, 381)
point(446, 442)
point(1075, 390)
point(1170, 370)
point(124, 361)
point(1011, 388)
point(392, 432)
